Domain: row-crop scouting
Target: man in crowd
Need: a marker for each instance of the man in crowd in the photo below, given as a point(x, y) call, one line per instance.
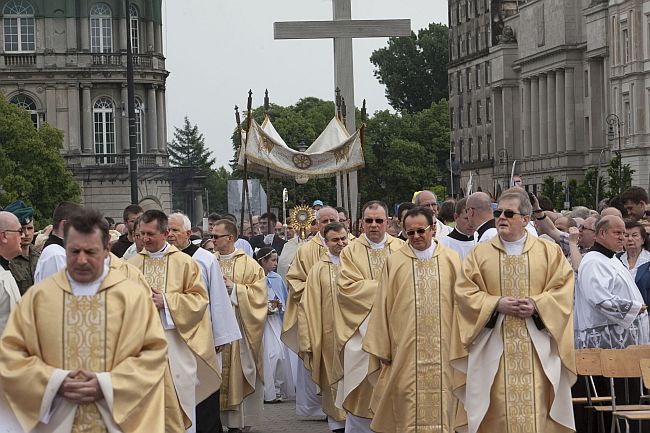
point(401, 210)
point(182, 302)
point(414, 307)
point(635, 200)
point(268, 237)
point(344, 217)
point(107, 371)
point(52, 258)
point(428, 199)
point(242, 392)
point(563, 223)
point(361, 266)
point(610, 311)
point(10, 235)
point(514, 339)
point(225, 329)
point(481, 217)
point(316, 323)
point(308, 402)
point(461, 239)
point(130, 215)
point(240, 243)
point(23, 266)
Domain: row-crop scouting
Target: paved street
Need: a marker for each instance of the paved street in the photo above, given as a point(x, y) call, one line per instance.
point(281, 418)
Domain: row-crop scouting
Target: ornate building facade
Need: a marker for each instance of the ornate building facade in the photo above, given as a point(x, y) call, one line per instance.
point(65, 62)
point(557, 70)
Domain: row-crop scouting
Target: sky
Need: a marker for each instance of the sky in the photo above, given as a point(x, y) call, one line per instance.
point(218, 49)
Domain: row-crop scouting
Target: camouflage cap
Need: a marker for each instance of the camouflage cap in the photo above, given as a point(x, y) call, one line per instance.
point(19, 208)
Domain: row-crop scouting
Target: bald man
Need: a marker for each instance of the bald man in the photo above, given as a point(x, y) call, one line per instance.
point(10, 234)
point(481, 216)
point(611, 211)
point(429, 200)
point(609, 309)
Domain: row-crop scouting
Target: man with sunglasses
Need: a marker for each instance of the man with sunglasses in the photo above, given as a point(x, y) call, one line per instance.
point(317, 322)
point(362, 262)
point(430, 200)
point(10, 234)
point(514, 339)
point(414, 307)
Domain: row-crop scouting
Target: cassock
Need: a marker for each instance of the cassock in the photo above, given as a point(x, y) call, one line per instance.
point(459, 242)
point(514, 374)
point(109, 327)
point(9, 293)
point(52, 259)
point(410, 327)
point(442, 229)
point(308, 402)
point(186, 320)
point(278, 377)
point(362, 262)
point(608, 303)
point(242, 391)
point(286, 258)
point(317, 336)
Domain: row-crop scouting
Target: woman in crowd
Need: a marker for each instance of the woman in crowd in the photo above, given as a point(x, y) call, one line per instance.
point(636, 257)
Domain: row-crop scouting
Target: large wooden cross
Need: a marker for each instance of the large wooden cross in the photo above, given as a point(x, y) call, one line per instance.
point(342, 30)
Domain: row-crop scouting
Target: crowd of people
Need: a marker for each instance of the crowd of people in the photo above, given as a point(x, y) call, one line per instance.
point(460, 315)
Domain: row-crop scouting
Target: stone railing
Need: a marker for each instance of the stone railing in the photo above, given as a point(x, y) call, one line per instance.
point(113, 160)
point(107, 59)
point(14, 59)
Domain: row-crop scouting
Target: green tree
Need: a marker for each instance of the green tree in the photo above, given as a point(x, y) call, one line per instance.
point(554, 190)
point(216, 184)
point(615, 184)
point(187, 149)
point(414, 69)
point(585, 191)
point(31, 166)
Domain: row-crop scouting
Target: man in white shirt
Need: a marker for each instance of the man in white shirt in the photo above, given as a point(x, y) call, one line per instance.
point(10, 234)
point(52, 258)
point(428, 199)
point(461, 239)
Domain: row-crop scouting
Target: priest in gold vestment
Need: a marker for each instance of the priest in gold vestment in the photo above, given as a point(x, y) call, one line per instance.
point(242, 390)
point(513, 346)
point(316, 323)
point(410, 333)
point(84, 350)
point(361, 266)
point(308, 402)
point(182, 302)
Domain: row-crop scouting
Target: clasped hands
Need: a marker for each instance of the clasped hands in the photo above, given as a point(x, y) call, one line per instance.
point(518, 307)
point(81, 386)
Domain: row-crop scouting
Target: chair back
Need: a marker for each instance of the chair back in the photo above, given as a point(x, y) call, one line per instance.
point(620, 363)
point(644, 364)
point(588, 362)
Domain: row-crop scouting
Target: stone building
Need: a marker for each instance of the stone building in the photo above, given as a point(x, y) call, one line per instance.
point(65, 62)
point(557, 70)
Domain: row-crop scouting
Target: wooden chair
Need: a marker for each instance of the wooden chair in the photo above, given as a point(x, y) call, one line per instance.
point(623, 364)
point(588, 366)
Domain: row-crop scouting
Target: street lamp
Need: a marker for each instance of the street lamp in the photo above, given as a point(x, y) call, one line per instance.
point(613, 120)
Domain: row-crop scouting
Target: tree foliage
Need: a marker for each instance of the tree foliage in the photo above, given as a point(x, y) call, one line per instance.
point(414, 69)
point(554, 190)
point(31, 166)
point(187, 149)
point(619, 180)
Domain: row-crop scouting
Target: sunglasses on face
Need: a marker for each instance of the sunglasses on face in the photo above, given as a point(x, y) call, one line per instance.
point(375, 220)
point(420, 231)
point(507, 213)
point(219, 236)
point(586, 228)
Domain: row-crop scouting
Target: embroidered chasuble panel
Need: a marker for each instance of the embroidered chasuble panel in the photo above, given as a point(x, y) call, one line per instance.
point(518, 362)
point(376, 260)
point(428, 383)
point(228, 270)
point(84, 346)
point(155, 273)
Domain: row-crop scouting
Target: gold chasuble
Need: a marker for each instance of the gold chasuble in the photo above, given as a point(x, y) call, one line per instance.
point(410, 329)
point(174, 274)
point(316, 328)
point(115, 333)
point(361, 267)
point(307, 256)
point(243, 359)
point(515, 375)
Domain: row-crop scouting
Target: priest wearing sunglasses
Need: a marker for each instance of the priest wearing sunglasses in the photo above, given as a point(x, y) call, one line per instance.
point(410, 331)
point(513, 343)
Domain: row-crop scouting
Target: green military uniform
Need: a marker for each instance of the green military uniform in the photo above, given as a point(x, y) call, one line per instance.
point(23, 268)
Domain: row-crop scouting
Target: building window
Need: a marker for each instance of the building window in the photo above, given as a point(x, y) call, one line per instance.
point(486, 70)
point(488, 106)
point(101, 29)
point(135, 29)
point(479, 107)
point(627, 119)
point(451, 118)
point(459, 79)
point(470, 150)
point(460, 117)
point(468, 79)
point(27, 104)
point(104, 122)
point(489, 147)
point(450, 80)
point(479, 152)
point(139, 124)
point(19, 27)
point(478, 76)
point(469, 114)
point(625, 36)
point(461, 148)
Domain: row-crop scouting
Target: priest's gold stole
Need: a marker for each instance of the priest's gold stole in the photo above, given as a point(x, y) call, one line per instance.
point(228, 271)
point(428, 381)
point(517, 349)
point(84, 346)
point(376, 260)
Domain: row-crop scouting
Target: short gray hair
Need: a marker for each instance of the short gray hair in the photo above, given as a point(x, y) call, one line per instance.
point(187, 224)
point(417, 197)
point(525, 208)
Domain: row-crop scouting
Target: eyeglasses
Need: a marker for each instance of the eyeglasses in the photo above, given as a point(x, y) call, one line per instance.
point(375, 220)
point(337, 240)
point(219, 236)
point(20, 230)
point(420, 231)
point(586, 228)
point(507, 213)
point(432, 204)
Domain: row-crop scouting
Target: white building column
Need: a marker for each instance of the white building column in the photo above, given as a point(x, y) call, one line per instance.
point(150, 35)
point(87, 118)
point(84, 23)
point(73, 118)
point(559, 111)
point(551, 107)
point(534, 115)
point(50, 107)
point(123, 34)
point(528, 146)
point(152, 120)
point(124, 120)
point(543, 116)
point(160, 122)
point(569, 109)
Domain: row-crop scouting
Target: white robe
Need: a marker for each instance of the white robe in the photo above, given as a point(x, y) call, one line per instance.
point(278, 376)
point(51, 261)
point(442, 229)
point(607, 305)
point(9, 296)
